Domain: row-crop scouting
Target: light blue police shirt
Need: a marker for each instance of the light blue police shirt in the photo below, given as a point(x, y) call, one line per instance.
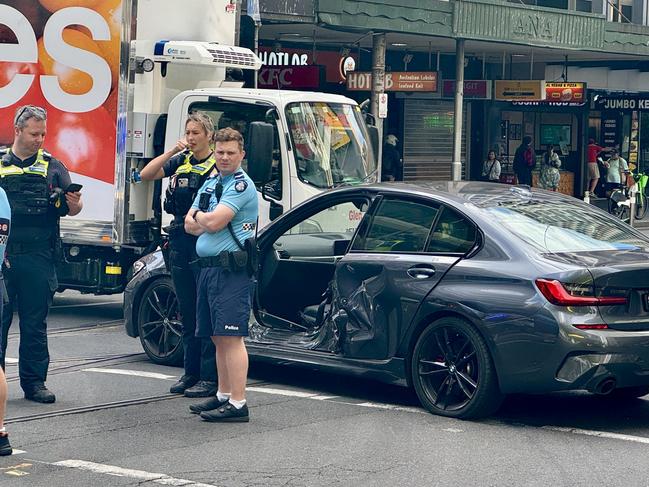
point(239, 194)
point(5, 222)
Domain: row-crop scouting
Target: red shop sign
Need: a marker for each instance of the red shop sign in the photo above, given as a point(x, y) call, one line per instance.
point(472, 89)
point(290, 77)
point(565, 92)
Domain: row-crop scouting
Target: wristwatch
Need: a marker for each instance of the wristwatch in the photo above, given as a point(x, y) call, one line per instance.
point(194, 215)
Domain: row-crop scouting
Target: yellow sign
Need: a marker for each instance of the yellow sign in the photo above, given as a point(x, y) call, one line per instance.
point(517, 90)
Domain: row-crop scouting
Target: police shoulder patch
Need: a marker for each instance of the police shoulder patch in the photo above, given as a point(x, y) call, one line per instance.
point(239, 175)
point(240, 186)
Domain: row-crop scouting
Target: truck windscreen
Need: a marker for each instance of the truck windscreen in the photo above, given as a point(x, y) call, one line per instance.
point(332, 146)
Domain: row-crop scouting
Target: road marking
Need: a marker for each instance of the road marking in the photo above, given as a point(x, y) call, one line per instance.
point(158, 478)
point(137, 373)
point(599, 434)
point(375, 405)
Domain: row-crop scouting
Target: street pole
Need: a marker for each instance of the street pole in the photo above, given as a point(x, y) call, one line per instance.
point(378, 86)
point(456, 165)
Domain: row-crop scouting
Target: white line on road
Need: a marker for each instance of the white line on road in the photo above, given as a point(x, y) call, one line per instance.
point(384, 406)
point(599, 434)
point(158, 478)
point(137, 373)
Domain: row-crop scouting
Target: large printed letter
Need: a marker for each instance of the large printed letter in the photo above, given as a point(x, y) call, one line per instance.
point(25, 51)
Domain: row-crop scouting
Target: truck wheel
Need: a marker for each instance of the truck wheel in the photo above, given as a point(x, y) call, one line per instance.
point(452, 371)
point(159, 324)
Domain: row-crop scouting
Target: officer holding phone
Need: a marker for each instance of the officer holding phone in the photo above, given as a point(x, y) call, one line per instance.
point(39, 191)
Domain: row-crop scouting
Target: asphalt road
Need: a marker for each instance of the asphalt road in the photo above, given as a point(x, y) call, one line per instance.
point(115, 424)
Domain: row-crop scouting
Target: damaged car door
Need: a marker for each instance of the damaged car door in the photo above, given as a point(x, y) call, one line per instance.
point(395, 260)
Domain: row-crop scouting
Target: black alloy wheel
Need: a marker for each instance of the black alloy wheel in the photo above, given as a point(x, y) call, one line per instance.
point(452, 371)
point(159, 324)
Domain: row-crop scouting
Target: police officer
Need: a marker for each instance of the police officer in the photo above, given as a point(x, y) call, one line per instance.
point(35, 183)
point(5, 225)
point(187, 165)
point(224, 216)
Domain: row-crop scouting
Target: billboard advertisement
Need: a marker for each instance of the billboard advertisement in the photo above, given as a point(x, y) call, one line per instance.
point(64, 55)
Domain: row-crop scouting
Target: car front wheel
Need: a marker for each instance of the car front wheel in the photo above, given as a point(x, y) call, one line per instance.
point(159, 324)
point(452, 371)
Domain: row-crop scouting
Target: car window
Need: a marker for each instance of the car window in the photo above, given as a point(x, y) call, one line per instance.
point(239, 116)
point(453, 233)
point(397, 226)
point(324, 234)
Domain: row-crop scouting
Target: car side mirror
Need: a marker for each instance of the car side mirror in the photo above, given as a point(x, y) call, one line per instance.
point(260, 152)
point(374, 138)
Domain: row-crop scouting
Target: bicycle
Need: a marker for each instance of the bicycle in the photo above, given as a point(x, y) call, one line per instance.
point(641, 201)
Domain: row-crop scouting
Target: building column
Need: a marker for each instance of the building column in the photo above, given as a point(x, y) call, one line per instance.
point(456, 165)
point(378, 86)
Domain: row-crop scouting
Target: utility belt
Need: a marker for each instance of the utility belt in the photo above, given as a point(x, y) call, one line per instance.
point(24, 247)
point(236, 261)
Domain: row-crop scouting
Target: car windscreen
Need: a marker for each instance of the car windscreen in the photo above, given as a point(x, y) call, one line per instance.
point(560, 226)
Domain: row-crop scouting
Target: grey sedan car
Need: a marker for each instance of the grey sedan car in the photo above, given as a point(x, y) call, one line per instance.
point(464, 291)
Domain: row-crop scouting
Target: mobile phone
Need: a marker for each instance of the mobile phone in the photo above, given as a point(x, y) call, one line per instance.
point(73, 188)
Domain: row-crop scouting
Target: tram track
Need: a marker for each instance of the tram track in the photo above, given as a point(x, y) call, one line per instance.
point(77, 328)
point(91, 408)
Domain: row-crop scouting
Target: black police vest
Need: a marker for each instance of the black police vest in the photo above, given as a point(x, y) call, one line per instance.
point(185, 183)
point(27, 190)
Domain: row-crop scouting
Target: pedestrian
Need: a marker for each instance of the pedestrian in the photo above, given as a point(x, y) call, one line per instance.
point(187, 165)
point(617, 167)
point(491, 168)
point(592, 153)
point(391, 160)
point(5, 226)
point(36, 184)
point(524, 161)
point(223, 216)
point(550, 175)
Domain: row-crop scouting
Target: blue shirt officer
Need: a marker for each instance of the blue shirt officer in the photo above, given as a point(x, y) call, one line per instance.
point(223, 216)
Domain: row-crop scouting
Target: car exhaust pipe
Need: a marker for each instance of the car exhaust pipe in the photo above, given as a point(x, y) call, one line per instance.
point(606, 386)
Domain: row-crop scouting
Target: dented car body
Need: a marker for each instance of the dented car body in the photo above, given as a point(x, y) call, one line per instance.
point(465, 291)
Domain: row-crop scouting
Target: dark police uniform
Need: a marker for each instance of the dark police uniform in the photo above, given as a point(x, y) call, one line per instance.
point(29, 268)
point(223, 305)
point(187, 175)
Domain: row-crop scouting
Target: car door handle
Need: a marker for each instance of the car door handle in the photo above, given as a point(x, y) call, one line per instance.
point(421, 272)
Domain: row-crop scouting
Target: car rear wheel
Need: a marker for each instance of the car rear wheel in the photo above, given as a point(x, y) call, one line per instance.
point(159, 324)
point(452, 371)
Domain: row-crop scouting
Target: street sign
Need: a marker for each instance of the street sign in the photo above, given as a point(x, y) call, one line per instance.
point(383, 105)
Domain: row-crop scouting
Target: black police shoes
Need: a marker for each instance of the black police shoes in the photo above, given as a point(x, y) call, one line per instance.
point(212, 403)
point(227, 414)
point(39, 393)
point(203, 388)
point(5, 447)
point(185, 382)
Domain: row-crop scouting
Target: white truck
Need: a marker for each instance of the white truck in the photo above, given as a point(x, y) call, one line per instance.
point(118, 89)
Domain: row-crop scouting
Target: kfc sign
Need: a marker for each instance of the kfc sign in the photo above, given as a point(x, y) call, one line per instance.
point(290, 77)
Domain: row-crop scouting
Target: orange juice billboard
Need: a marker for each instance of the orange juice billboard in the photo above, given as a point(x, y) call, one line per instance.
point(63, 55)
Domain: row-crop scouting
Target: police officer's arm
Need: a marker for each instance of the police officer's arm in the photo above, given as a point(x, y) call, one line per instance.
point(155, 168)
point(191, 225)
point(75, 205)
point(62, 180)
point(215, 220)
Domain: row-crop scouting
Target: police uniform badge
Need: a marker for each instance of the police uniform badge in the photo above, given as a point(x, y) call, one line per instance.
point(240, 186)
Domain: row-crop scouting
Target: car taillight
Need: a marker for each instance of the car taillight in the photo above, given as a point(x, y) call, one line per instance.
point(598, 326)
point(559, 294)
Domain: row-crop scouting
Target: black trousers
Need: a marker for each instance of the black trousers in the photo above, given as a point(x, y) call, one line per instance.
point(31, 283)
point(199, 353)
point(525, 177)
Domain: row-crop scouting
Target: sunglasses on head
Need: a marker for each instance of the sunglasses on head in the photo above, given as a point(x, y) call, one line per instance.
point(24, 109)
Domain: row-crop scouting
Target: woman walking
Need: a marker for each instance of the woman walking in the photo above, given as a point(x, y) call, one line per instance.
point(550, 175)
